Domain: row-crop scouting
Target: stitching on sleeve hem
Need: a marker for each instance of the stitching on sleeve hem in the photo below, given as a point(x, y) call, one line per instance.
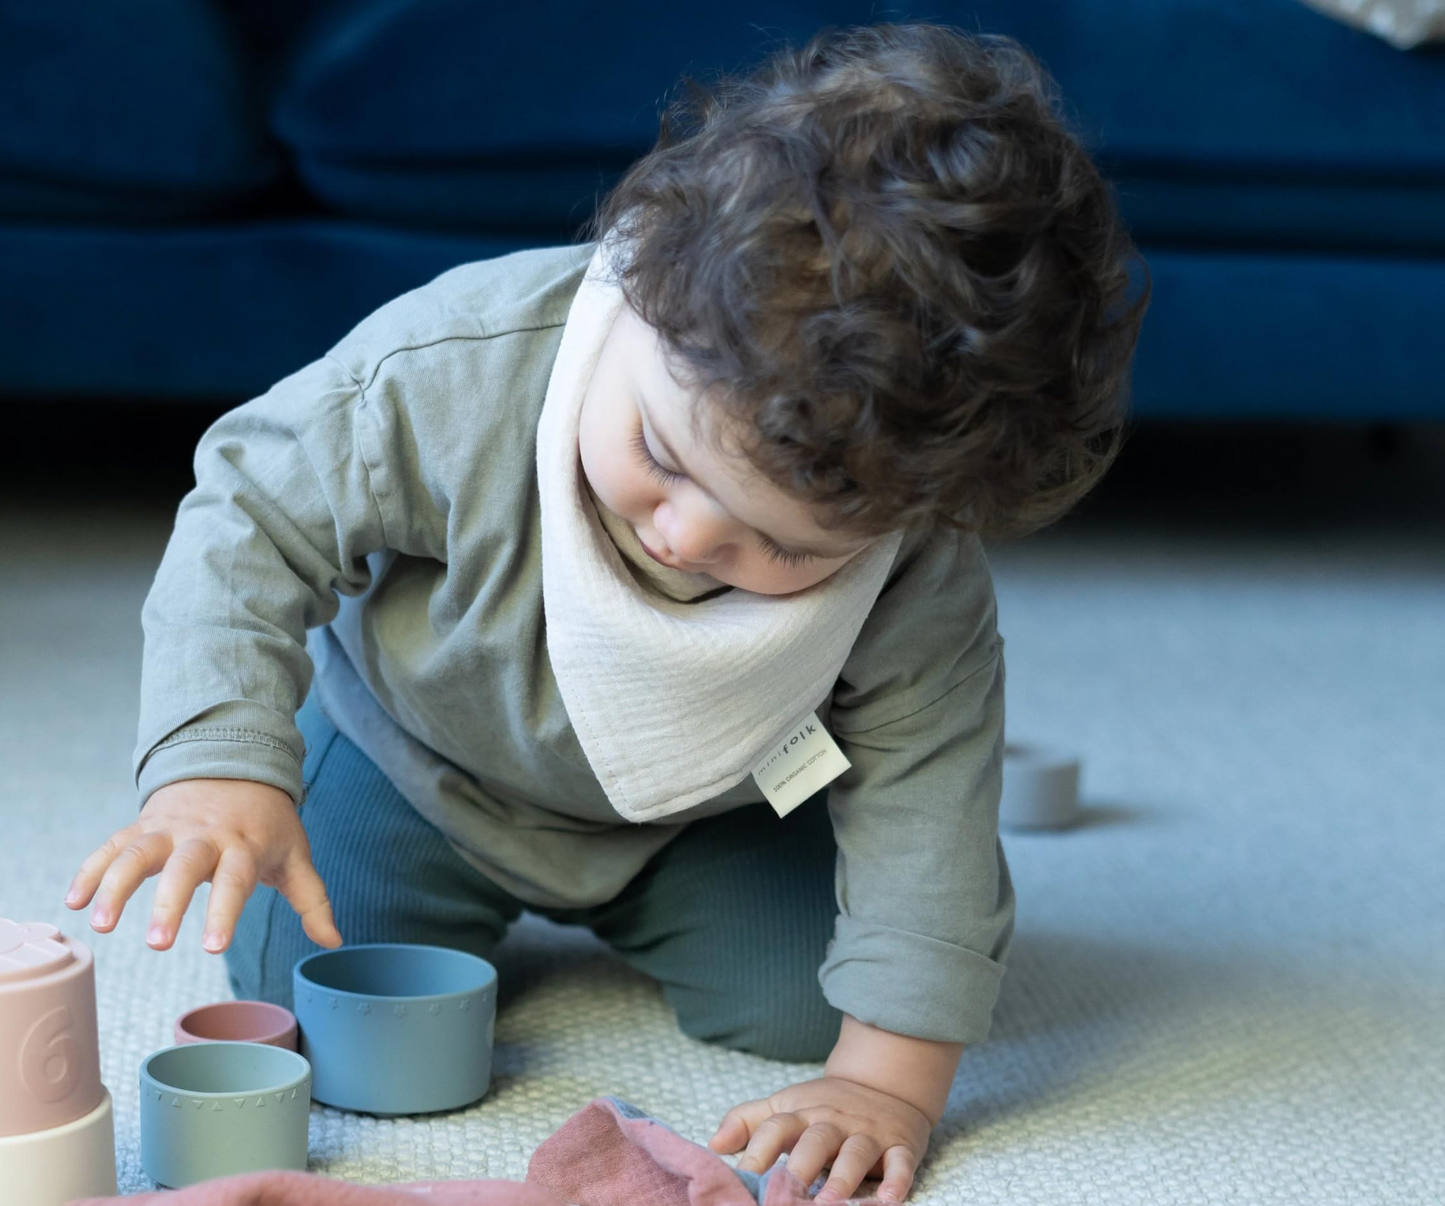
point(223, 733)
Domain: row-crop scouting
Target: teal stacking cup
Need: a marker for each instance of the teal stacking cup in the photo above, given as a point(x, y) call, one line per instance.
point(213, 1109)
point(392, 1028)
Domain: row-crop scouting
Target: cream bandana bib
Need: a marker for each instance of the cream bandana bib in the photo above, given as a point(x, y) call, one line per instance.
point(673, 703)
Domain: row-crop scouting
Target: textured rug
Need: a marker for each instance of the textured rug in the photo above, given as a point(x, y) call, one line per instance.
point(1226, 986)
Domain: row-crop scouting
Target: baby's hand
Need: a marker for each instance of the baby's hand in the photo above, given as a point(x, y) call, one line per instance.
point(861, 1132)
point(232, 832)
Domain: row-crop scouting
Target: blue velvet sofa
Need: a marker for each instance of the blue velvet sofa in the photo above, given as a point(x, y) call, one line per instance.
point(199, 196)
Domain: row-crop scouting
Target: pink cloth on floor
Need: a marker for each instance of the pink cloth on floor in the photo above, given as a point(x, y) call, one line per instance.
point(607, 1154)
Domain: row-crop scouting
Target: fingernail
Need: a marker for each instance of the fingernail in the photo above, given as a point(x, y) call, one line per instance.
point(72, 896)
point(100, 917)
point(212, 941)
point(826, 1195)
point(156, 934)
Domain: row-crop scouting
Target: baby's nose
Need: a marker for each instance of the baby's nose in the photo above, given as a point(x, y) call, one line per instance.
point(694, 530)
point(697, 535)
point(694, 543)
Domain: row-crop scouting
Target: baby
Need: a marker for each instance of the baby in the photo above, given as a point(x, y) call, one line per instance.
point(498, 604)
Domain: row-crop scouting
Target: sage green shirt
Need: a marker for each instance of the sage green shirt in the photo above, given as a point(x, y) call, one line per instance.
point(383, 500)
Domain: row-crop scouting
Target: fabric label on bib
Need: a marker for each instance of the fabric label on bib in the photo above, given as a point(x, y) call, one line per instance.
point(802, 763)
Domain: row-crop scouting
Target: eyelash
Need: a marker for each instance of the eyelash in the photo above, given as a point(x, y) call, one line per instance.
point(644, 453)
point(773, 551)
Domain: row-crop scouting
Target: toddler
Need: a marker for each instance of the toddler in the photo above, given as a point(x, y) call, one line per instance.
point(638, 583)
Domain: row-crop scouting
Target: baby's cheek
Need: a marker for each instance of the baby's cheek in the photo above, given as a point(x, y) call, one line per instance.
point(608, 478)
point(765, 577)
point(627, 493)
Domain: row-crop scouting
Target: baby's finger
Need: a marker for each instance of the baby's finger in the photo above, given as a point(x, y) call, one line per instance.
point(771, 1138)
point(857, 1155)
point(188, 867)
point(134, 864)
point(736, 1128)
point(231, 886)
point(816, 1147)
point(898, 1167)
point(302, 886)
point(87, 879)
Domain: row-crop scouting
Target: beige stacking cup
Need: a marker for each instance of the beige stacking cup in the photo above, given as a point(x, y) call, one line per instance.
point(57, 1137)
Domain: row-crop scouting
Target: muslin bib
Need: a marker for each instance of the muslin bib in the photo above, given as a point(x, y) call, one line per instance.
point(673, 703)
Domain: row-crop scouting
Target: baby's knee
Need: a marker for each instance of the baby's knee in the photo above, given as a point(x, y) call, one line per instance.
point(800, 1028)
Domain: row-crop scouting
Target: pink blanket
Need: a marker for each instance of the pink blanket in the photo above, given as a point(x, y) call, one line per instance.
point(607, 1154)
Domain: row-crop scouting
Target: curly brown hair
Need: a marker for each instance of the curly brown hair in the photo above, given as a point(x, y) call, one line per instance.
point(898, 273)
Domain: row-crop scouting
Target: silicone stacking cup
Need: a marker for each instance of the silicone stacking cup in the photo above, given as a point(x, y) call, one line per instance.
point(392, 1028)
point(238, 1022)
point(1040, 788)
point(56, 1166)
point(50, 1062)
point(57, 1133)
point(213, 1109)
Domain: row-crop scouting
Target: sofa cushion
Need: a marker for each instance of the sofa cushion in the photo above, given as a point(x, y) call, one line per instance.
point(127, 109)
point(220, 312)
point(1218, 119)
point(1402, 23)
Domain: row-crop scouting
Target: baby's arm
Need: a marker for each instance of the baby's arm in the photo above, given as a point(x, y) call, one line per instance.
point(279, 523)
point(918, 1071)
point(926, 906)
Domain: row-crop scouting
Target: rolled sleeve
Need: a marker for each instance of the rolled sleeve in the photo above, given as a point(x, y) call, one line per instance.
point(227, 742)
point(950, 990)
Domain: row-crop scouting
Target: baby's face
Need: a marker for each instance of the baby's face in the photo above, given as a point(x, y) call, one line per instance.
point(692, 508)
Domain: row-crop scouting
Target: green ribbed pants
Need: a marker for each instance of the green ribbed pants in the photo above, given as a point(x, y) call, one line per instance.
point(731, 925)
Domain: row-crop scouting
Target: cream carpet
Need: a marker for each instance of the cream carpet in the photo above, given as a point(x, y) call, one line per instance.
point(1228, 986)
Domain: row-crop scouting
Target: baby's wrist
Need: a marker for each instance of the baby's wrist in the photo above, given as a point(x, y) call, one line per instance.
point(917, 1071)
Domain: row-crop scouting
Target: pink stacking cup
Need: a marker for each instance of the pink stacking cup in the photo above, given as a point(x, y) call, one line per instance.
point(238, 1022)
point(50, 1073)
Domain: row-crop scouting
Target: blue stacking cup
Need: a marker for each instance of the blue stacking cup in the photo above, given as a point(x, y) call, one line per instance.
point(392, 1028)
point(213, 1109)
